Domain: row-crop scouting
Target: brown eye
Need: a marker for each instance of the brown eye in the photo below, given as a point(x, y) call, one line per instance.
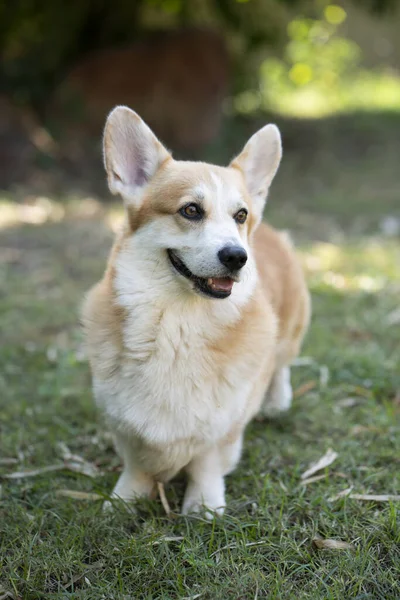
point(241, 216)
point(192, 211)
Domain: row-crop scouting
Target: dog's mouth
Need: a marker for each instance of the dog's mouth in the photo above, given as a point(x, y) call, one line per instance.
point(215, 287)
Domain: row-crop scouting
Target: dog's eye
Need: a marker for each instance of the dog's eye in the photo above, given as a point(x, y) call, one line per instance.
point(241, 216)
point(191, 211)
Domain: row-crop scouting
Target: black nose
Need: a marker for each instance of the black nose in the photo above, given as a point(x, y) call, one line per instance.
point(233, 257)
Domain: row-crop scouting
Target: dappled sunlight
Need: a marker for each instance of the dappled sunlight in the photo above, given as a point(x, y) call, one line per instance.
point(368, 265)
point(39, 210)
point(321, 73)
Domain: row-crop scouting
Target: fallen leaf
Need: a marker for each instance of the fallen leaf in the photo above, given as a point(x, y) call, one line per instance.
point(78, 495)
point(329, 544)
point(376, 497)
point(303, 389)
point(329, 457)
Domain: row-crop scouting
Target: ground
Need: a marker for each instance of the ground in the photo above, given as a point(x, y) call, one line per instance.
point(339, 197)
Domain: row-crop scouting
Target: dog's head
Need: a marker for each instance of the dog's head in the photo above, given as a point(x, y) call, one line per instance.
point(197, 217)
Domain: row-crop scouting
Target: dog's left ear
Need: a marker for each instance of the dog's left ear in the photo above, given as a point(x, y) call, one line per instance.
point(132, 154)
point(259, 161)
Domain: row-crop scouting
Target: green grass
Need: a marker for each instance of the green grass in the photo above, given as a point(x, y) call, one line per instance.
point(55, 547)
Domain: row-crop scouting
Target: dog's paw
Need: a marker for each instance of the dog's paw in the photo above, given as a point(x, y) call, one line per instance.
point(198, 500)
point(109, 506)
point(280, 395)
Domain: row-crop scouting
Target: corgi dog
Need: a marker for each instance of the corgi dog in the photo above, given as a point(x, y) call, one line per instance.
point(201, 309)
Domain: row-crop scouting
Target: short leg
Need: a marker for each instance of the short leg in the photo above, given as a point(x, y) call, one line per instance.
point(280, 394)
point(133, 481)
point(230, 454)
point(206, 484)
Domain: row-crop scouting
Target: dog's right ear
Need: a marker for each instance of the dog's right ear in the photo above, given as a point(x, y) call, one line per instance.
point(132, 154)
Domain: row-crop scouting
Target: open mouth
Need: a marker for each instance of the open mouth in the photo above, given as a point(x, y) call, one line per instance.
point(215, 287)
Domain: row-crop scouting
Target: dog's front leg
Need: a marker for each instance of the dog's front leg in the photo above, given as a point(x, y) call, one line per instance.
point(206, 484)
point(134, 482)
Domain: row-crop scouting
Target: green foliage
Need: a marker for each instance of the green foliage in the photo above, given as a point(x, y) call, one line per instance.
point(320, 72)
point(40, 40)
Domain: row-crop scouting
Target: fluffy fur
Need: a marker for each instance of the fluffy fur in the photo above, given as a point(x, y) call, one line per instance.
point(179, 374)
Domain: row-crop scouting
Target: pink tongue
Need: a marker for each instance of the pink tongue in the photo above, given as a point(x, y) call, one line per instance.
point(221, 284)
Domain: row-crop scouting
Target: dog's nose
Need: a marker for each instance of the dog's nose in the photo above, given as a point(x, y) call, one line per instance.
point(233, 257)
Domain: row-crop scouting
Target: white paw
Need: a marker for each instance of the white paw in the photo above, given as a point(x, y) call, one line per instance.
point(280, 394)
point(107, 507)
point(196, 500)
point(110, 506)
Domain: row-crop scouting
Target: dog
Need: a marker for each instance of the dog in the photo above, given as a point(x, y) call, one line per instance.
point(201, 309)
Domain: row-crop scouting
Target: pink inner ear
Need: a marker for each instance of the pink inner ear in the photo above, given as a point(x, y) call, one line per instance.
point(132, 162)
point(141, 176)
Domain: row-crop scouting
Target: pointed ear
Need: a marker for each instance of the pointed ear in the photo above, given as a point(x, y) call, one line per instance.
point(132, 153)
point(259, 161)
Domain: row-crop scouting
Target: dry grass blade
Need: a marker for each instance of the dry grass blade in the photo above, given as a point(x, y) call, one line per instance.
point(323, 462)
point(76, 463)
point(376, 497)
point(231, 546)
point(313, 479)
point(323, 476)
point(329, 544)
point(6, 595)
point(178, 538)
point(84, 468)
point(33, 472)
point(341, 494)
point(303, 389)
point(98, 565)
point(78, 495)
point(163, 498)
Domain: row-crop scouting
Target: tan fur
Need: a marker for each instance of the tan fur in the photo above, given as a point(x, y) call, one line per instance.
point(190, 342)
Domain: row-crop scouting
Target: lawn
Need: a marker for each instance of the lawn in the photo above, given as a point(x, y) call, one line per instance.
point(340, 200)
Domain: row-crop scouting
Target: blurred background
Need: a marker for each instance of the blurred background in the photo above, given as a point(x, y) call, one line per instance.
point(205, 74)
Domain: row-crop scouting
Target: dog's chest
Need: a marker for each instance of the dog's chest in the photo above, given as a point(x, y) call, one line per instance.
point(172, 385)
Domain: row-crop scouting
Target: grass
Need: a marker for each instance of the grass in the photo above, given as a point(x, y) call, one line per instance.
point(57, 547)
